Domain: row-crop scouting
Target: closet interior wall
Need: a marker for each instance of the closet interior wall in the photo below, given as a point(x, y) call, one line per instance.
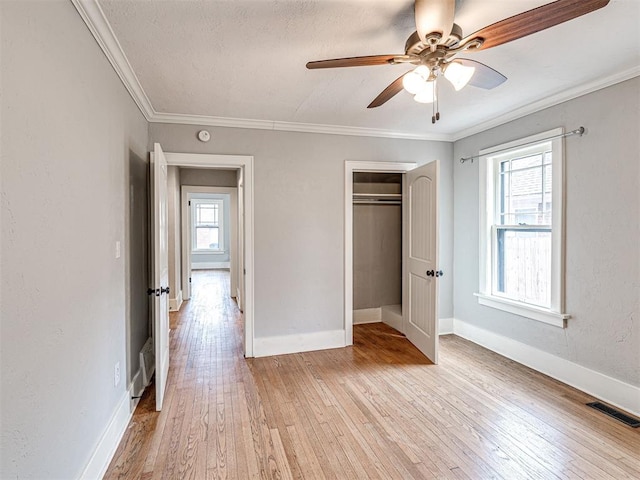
point(377, 248)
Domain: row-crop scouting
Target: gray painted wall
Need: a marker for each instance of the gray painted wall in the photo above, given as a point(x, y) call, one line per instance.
point(73, 143)
point(208, 177)
point(602, 233)
point(377, 255)
point(299, 215)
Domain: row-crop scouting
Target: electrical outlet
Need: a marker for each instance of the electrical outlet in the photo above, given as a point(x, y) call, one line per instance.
point(116, 374)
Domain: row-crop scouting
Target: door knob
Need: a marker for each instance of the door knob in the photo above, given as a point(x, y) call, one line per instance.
point(430, 273)
point(164, 290)
point(439, 273)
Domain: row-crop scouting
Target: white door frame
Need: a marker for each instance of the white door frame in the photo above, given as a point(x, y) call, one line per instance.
point(245, 164)
point(188, 191)
point(350, 167)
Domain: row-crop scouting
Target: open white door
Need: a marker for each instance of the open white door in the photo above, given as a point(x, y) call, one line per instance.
point(160, 271)
point(420, 305)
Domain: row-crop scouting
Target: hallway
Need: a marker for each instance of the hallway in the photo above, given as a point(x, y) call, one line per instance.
point(376, 410)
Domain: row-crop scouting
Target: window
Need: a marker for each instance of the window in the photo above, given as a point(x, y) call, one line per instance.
point(207, 225)
point(521, 229)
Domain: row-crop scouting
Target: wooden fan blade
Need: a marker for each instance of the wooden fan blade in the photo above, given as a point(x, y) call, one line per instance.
point(388, 93)
point(353, 61)
point(434, 16)
point(484, 76)
point(533, 21)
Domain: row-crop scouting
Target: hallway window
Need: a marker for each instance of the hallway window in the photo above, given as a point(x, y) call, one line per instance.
point(207, 225)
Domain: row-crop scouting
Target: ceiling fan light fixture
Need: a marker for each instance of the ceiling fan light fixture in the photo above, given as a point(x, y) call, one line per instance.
point(427, 93)
point(414, 81)
point(458, 74)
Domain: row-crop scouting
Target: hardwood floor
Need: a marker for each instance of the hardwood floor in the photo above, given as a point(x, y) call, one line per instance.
point(378, 409)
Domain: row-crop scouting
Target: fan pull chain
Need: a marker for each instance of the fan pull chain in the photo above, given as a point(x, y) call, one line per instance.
point(435, 107)
point(437, 103)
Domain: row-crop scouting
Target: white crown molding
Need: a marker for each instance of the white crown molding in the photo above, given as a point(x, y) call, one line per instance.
point(547, 102)
point(99, 27)
point(293, 127)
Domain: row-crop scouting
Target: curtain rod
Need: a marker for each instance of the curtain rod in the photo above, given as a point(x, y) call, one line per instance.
point(578, 131)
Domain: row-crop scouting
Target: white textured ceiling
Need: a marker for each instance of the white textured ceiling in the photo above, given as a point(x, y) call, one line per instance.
point(246, 59)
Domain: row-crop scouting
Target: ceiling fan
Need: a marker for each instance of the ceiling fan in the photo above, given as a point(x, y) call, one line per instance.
point(435, 45)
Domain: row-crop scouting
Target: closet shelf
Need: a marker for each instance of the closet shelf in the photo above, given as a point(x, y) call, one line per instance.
point(377, 198)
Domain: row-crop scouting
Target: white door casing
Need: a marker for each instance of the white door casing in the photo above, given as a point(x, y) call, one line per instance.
point(420, 285)
point(243, 163)
point(241, 251)
point(351, 166)
point(160, 271)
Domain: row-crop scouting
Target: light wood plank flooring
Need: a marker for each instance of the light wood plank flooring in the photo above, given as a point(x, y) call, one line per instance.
point(378, 409)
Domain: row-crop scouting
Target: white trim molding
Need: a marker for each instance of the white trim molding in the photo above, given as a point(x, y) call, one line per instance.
point(209, 265)
point(176, 302)
point(351, 166)
point(113, 433)
point(489, 213)
point(445, 326)
point(528, 311)
point(550, 101)
point(367, 315)
point(298, 343)
point(244, 163)
point(295, 127)
point(608, 389)
point(98, 25)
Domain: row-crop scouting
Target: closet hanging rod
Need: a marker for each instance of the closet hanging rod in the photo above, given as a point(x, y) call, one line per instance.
point(357, 201)
point(578, 131)
point(377, 195)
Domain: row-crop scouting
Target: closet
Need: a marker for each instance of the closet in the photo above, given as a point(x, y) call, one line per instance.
point(377, 248)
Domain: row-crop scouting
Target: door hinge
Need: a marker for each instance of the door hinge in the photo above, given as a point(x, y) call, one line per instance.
point(189, 202)
point(189, 279)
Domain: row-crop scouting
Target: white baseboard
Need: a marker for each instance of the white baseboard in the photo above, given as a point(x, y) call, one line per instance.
point(117, 426)
point(304, 342)
point(208, 265)
point(367, 315)
point(603, 387)
point(175, 303)
point(392, 316)
point(445, 326)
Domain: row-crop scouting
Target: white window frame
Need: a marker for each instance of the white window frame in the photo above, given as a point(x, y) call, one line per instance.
point(211, 201)
point(489, 159)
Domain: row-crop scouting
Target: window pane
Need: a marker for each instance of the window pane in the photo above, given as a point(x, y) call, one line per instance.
point(524, 265)
point(207, 238)
point(547, 179)
point(524, 162)
point(520, 197)
point(526, 181)
point(206, 214)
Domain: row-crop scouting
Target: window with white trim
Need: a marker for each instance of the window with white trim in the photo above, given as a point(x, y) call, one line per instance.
point(522, 228)
point(207, 225)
